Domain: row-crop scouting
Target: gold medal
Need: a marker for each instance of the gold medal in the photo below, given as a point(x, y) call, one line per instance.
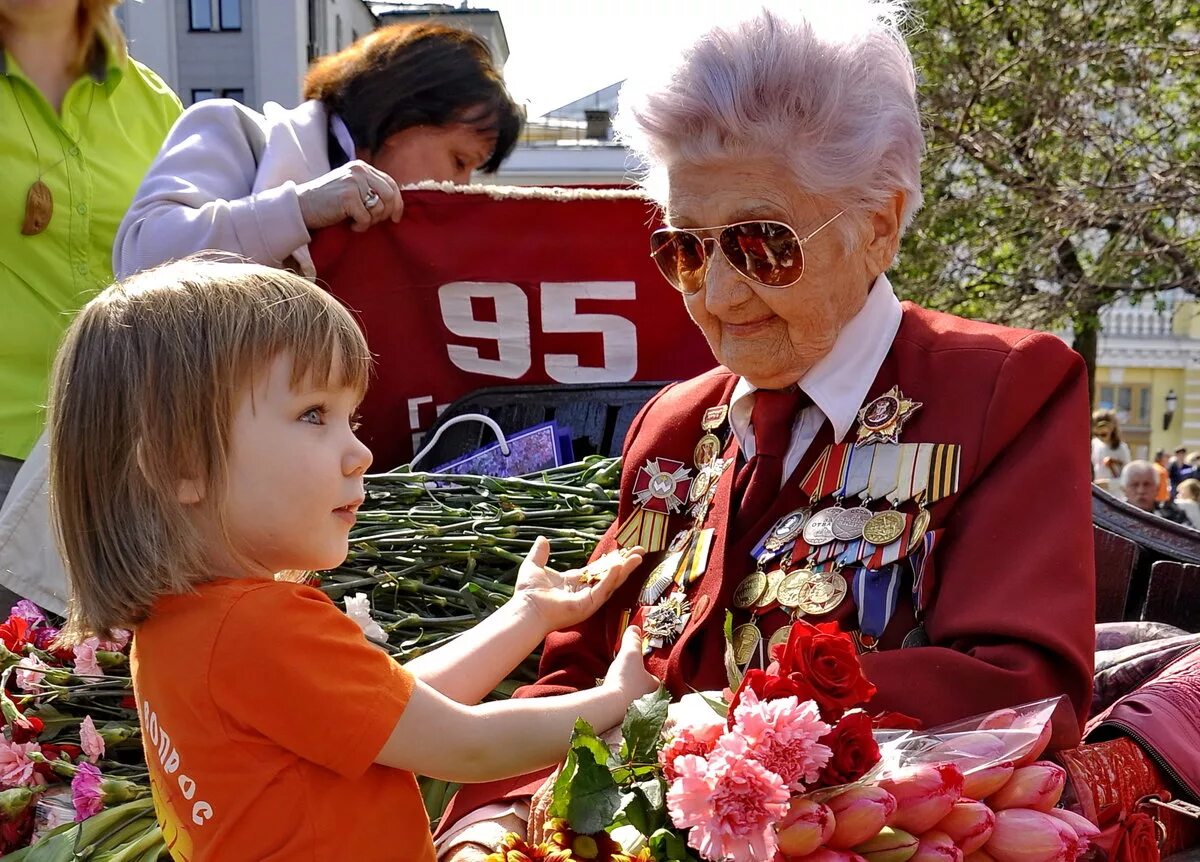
point(750, 590)
point(884, 528)
point(818, 530)
point(706, 450)
point(919, 527)
point(823, 594)
point(746, 639)
point(700, 486)
point(792, 588)
point(661, 578)
point(771, 594)
point(848, 526)
point(780, 637)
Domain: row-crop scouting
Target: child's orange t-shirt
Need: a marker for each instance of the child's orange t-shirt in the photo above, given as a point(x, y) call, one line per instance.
point(263, 708)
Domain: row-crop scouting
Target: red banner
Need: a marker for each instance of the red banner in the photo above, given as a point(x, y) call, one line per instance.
point(475, 290)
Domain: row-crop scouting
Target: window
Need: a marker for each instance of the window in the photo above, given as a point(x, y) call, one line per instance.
point(231, 14)
point(237, 94)
point(201, 95)
point(1131, 403)
point(201, 15)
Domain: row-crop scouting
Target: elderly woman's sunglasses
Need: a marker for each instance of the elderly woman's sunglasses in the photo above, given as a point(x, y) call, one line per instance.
point(770, 253)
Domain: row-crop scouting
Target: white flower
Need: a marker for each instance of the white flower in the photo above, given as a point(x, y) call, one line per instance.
point(358, 608)
point(694, 712)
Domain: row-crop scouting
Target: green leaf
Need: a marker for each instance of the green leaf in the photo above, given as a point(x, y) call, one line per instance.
point(594, 796)
point(732, 674)
point(643, 724)
point(560, 799)
point(644, 806)
point(585, 737)
point(668, 846)
point(720, 707)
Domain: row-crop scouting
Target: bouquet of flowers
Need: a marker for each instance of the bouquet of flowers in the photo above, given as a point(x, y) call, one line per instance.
point(790, 766)
point(70, 748)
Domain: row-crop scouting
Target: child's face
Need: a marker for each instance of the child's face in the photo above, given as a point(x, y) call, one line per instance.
point(295, 473)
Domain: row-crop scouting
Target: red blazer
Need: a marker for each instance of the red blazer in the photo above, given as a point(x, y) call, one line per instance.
point(1012, 613)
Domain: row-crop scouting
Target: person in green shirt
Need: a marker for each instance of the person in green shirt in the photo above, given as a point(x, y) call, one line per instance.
point(81, 123)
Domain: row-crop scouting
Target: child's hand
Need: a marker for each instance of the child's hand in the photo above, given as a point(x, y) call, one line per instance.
point(562, 599)
point(628, 673)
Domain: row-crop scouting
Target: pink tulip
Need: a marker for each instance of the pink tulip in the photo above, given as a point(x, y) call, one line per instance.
point(980, 756)
point(1024, 835)
point(924, 795)
point(890, 845)
point(1007, 719)
point(859, 813)
point(807, 826)
point(1036, 786)
point(969, 825)
point(1000, 719)
point(824, 854)
point(937, 846)
point(978, 856)
point(1083, 827)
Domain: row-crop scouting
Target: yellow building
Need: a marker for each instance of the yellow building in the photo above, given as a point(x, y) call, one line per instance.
point(1148, 370)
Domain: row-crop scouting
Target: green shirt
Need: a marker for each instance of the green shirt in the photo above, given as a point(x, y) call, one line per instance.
point(93, 157)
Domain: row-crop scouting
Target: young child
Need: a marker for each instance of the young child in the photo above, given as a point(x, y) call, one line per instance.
point(202, 439)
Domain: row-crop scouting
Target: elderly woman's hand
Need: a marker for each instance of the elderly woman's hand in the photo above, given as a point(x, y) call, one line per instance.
point(355, 191)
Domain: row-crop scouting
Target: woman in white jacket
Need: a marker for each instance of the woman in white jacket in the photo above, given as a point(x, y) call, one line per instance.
point(403, 104)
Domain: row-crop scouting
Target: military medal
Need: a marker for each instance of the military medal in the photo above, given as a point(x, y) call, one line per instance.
point(884, 468)
point(875, 594)
point(666, 620)
point(660, 487)
point(746, 639)
point(695, 559)
point(882, 419)
point(792, 588)
point(884, 527)
point(917, 637)
point(750, 590)
point(770, 593)
point(661, 579)
point(818, 530)
point(848, 525)
point(943, 472)
point(920, 526)
point(823, 594)
point(786, 530)
point(778, 639)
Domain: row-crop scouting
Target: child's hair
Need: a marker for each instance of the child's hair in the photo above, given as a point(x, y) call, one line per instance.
point(144, 390)
point(1189, 489)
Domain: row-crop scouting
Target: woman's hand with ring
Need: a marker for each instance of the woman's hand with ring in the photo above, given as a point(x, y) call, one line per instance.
point(355, 191)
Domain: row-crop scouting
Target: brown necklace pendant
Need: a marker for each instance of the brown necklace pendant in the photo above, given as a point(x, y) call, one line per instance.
point(39, 208)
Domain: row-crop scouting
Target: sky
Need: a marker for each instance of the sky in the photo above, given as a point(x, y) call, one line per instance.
point(561, 50)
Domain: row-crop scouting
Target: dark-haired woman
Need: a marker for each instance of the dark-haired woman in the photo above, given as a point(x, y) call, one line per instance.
point(403, 104)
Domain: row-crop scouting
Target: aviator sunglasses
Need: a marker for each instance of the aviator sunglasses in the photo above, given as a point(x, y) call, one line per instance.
point(770, 253)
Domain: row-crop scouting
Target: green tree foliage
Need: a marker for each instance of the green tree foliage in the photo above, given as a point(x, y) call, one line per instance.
point(1063, 169)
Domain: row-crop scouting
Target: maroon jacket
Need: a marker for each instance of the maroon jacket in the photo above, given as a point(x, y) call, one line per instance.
point(1012, 613)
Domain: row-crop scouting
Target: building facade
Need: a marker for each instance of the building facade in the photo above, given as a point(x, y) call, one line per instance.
point(1148, 371)
point(255, 51)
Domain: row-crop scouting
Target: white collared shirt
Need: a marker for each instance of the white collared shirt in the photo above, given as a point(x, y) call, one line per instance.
point(837, 384)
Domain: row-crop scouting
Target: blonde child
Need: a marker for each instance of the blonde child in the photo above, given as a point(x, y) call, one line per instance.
point(202, 439)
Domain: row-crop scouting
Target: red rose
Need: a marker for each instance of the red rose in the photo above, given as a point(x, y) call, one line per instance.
point(889, 720)
point(1133, 839)
point(854, 750)
point(16, 833)
point(826, 658)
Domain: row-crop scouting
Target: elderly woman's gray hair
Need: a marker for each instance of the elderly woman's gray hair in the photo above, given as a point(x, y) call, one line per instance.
point(828, 88)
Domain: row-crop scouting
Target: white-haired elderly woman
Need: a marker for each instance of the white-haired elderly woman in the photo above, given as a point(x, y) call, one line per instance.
point(920, 479)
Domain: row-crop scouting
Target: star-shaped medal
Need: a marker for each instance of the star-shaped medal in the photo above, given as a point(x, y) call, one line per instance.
point(883, 418)
point(662, 485)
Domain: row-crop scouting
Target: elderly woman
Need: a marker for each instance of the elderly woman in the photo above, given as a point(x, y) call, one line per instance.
point(403, 104)
point(918, 478)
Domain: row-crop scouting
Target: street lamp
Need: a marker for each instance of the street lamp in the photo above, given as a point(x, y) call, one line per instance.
point(1171, 403)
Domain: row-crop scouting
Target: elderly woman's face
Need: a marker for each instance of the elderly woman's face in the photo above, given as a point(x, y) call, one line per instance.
point(771, 336)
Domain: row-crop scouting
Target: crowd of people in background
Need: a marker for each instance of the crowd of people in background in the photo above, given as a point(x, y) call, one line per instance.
point(1168, 486)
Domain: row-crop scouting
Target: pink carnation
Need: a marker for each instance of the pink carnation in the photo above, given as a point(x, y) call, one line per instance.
point(782, 735)
point(118, 639)
point(29, 673)
point(729, 801)
point(85, 658)
point(690, 740)
point(90, 741)
point(16, 769)
point(86, 795)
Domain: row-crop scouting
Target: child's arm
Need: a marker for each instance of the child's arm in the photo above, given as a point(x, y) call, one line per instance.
point(443, 739)
point(475, 662)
